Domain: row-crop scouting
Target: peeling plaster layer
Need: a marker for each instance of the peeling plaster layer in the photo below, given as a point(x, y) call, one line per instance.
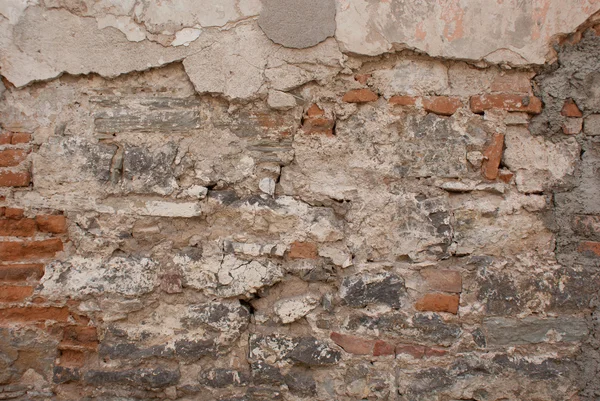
point(496, 31)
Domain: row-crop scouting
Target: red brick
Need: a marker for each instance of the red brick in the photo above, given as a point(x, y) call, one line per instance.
point(14, 293)
point(16, 273)
point(505, 176)
point(14, 179)
point(14, 213)
point(442, 105)
point(416, 351)
point(433, 352)
point(403, 100)
point(20, 137)
point(79, 338)
point(17, 228)
point(33, 314)
point(509, 102)
point(383, 348)
point(511, 83)
point(587, 225)
point(353, 344)
point(437, 302)
point(55, 224)
point(30, 250)
point(570, 109)
point(12, 157)
point(360, 96)
point(5, 138)
point(442, 280)
point(72, 358)
point(303, 250)
point(590, 248)
point(493, 156)
point(315, 111)
point(318, 125)
point(362, 78)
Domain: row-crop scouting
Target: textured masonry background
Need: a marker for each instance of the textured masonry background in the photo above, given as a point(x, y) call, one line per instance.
point(355, 200)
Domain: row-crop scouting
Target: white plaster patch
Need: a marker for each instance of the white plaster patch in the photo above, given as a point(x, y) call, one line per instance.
point(186, 36)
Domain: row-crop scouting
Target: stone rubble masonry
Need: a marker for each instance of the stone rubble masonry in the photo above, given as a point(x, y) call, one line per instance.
point(299, 200)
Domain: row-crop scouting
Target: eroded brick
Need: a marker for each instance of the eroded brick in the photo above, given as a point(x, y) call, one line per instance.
point(17, 228)
point(55, 224)
point(13, 293)
point(34, 314)
point(442, 105)
point(360, 96)
point(493, 156)
point(437, 302)
point(570, 109)
point(509, 102)
point(12, 157)
point(30, 250)
point(14, 179)
point(303, 250)
point(21, 272)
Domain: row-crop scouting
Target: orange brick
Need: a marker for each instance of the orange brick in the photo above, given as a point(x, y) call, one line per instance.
point(55, 224)
point(14, 179)
point(360, 96)
point(12, 157)
point(70, 357)
point(15, 273)
point(303, 250)
point(383, 348)
point(5, 138)
point(442, 105)
point(493, 154)
point(353, 344)
point(33, 314)
point(14, 213)
point(29, 250)
point(509, 102)
point(17, 228)
point(318, 125)
point(505, 176)
point(403, 100)
point(590, 248)
point(436, 302)
point(314, 111)
point(570, 109)
point(79, 337)
point(13, 293)
point(20, 137)
point(416, 351)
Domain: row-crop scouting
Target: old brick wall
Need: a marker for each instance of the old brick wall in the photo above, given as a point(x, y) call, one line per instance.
point(198, 204)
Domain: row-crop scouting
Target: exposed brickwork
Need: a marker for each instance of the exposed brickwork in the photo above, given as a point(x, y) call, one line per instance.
point(508, 102)
point(327, 225)
point(493, 156)
point(360, 96)
point(437, 302)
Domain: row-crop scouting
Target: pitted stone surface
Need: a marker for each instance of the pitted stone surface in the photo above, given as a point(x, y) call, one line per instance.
point(298, 23)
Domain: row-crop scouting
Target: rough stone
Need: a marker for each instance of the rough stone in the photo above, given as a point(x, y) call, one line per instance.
point(280, 100)
point(297, 23)
point(360, 290)
point(505, 331)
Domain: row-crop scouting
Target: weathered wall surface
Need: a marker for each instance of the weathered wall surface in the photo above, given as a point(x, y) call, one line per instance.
point(299, 200)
